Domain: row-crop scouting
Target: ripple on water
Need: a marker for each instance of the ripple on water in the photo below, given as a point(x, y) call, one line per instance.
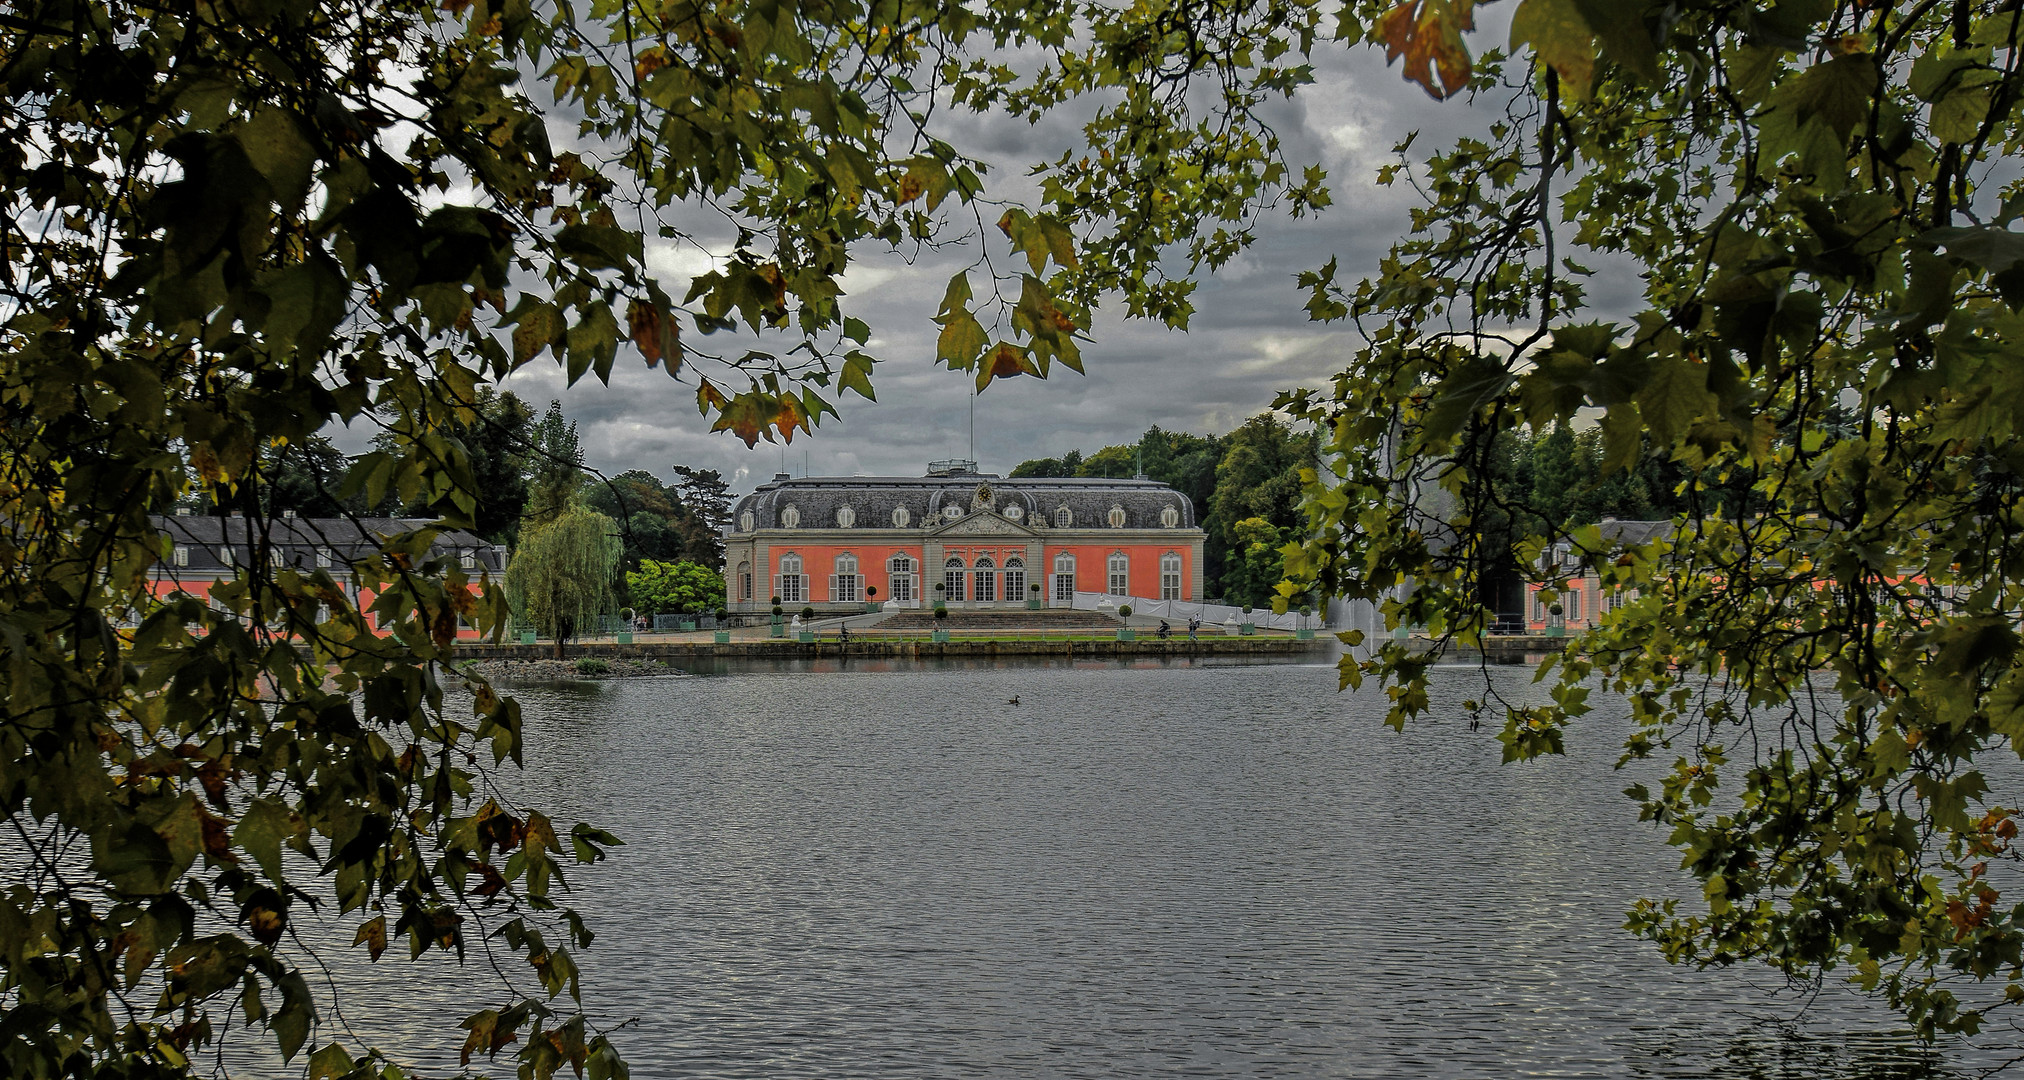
point(1136, 872)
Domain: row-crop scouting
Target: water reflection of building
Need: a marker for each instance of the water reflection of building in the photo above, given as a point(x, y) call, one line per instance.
point(828, 541)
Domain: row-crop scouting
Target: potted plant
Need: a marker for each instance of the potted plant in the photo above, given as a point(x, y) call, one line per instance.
point(685, 618)
point(1247, 627)
point(807, 635)
point(1304, 632)
point(1556, 626)
point(779, 628)
point(941, 632)
point(941, 601)
point(1124, 632)
point(1033, 602)
point(625, 635)
point(871, 598)
point(723, 629)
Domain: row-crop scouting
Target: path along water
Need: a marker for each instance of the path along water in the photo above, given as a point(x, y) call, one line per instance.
point(1224, 871)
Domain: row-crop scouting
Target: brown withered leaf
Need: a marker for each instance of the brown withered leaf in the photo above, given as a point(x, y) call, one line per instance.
point(372, 933)
point(1428, 35)
point(655, 332)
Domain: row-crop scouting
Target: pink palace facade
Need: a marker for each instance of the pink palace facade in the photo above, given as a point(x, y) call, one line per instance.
point(828, 542)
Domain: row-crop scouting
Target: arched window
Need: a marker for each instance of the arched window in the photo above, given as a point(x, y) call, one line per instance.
point(745, 521)
point(845, 585)
point(1170, 517)
point(1119, 583)
point(900, 580)
point(1116, 517)
point(745, 581)
point(845, 517)
point(984, 581)
point(1015, 578)
point(1064, 518)
point(790, 518)
point(1170, 575)
point(790, 584)
point(952, 578)
point(951, 512)
point(1064, 578)
point(901, 519)
point(1013, 512)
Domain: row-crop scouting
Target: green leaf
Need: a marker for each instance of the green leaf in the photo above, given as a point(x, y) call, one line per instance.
point(262, 828)
point(856, 375)
point(1561, 38)
point(1474, 383)
point(538, 326)
point(274, 143)
point(1675, 395)
point(599, 247)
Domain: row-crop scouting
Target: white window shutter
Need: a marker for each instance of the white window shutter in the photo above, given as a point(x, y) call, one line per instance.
point(776, 585)
point(832, 589)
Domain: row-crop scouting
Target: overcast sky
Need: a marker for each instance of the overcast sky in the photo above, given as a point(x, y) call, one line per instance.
point(1250, 336)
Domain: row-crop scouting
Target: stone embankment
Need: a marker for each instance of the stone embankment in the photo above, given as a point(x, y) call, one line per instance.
point(683, 654)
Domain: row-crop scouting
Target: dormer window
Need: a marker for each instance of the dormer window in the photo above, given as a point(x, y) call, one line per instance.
point(1064, 518)
point(1170, 517)
point(1116, 517)
point(790, 518)
point(469, 560)
point(951, 512)
point(745, 521)
point(182, 557)
point(845, 517)
point(1013, 513)
point(901, 519)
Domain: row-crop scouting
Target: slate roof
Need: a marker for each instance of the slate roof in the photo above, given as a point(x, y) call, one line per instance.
point(872, 499)
point(214, 543)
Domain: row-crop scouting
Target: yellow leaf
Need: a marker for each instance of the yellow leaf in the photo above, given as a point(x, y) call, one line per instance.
point(1560, 38)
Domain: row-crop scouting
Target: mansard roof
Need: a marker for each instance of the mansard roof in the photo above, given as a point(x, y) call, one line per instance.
point(216, 543)
point(1031, 501)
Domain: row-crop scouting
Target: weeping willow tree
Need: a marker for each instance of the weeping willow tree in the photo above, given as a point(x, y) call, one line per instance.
point(561, 577)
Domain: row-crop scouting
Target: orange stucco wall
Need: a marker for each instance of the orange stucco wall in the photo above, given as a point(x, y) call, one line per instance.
point(818, 562)
point(200, 588)
point(1092, 566)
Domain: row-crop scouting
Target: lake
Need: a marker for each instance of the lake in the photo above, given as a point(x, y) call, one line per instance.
point(1136, 871)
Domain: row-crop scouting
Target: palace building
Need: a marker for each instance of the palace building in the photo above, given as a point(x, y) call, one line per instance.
point(834, 542)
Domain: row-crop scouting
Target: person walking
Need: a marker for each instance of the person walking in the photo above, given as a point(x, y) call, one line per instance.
point(1194, 624)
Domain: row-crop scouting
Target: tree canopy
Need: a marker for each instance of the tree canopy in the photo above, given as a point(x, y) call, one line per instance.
point(1817, 200)
point(675, 587)
point(562, 576)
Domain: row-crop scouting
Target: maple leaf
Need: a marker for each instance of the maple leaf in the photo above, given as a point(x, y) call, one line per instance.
point(656, 334)
point(1560, 38)
point(1004, 362)
point(1428, 34)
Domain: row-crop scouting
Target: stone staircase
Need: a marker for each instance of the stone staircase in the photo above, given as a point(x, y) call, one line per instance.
point(1069, 619)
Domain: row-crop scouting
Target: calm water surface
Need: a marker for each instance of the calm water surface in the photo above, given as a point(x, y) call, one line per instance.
point(1134, 872)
